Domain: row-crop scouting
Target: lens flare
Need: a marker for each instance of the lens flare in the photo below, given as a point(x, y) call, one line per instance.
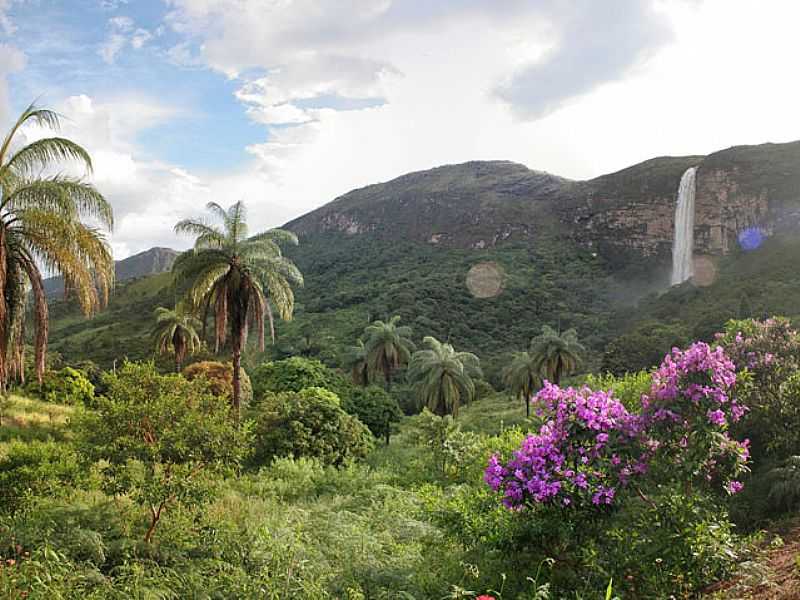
point(751, 238)
point(705, 271)
point(486, 280)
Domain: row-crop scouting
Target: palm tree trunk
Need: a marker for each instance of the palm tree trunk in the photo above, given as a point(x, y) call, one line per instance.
point(237, 382)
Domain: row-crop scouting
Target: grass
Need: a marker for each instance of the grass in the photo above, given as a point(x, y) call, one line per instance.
point(26, 419)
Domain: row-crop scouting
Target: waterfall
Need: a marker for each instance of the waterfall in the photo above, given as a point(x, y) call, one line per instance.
point(683, 243)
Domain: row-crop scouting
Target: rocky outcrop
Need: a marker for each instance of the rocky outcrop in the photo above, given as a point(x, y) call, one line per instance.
point(627, 216)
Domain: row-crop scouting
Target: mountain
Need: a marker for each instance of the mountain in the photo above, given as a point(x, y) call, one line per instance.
point(549, 250)
point(149, 262)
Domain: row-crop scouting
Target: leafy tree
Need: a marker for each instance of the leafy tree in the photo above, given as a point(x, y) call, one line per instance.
point(218, 377)
point(375, 408)
point(356, 362)
point(41, 227)
point(292, 375)
point(522, 376)
point(556, 354)
point(309, 423)
point(65, 386)
point(643, 347)
point(176, 333)
point(236, 278)
point(388, 347)
point(162, 439)
point(442, 377)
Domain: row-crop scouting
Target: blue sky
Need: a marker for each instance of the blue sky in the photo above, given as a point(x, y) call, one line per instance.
point(288, 104)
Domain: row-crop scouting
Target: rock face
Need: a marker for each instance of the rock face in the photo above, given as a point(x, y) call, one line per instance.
point(626, 216)
point(149, 262)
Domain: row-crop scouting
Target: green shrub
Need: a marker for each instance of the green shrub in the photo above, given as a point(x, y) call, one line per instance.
point(219, 377)
point(375, 408)
point(65, 386)
point(37, 468)
point(163, 439)
point(292, 375)
point(309, 423)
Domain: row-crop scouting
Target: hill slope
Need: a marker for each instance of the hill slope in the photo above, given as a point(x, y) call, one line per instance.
point(570, 254)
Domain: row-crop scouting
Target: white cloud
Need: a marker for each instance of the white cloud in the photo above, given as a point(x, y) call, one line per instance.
point(122, 32)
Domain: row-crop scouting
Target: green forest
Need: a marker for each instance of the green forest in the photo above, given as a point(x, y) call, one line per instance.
point(344, 417)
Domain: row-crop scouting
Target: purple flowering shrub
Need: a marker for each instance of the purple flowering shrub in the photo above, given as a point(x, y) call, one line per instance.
point(590, 447)
point(767, 357)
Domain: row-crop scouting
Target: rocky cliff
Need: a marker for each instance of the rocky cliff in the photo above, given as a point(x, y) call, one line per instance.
point(626, 216)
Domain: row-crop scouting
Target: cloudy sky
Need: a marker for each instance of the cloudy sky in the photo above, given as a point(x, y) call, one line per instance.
point(289, 103)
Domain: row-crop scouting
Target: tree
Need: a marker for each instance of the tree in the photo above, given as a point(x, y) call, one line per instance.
point(41, 227)
point(236, 278)
point(176, 333)
point(218, 377)
point(442, 377)
point(556, 354)
point(522, 377)
point(162, 439)
point(356, 363)
point(388, 347)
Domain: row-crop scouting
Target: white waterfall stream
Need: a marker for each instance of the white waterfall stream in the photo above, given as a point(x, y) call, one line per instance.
point(683, 242)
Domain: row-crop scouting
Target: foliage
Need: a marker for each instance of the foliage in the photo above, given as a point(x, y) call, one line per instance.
point(643, 347)
point(355, 361)
point(37, 468)
point(237, 278)
point(375, 408)
point(308, 423)
point(65, 386)
point(219, 378)
point(291, 375)
point(175, 333)
point(522, 376)
point(388, 347)
point(767, 357)
point(41, 228)
point(556, 354)
point(452, 449)
point(161, 437)
point(443, 378)
point(628, 388)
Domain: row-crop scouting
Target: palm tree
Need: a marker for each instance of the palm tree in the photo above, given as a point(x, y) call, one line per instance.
point(236, 278)
point(522, 376)
point(442, 377)
point(355, 362)
point(176, 333)
point(388, 347)
point(41, 227)
point(556, 354)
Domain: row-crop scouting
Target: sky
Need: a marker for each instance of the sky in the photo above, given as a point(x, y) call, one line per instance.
point(287, 104)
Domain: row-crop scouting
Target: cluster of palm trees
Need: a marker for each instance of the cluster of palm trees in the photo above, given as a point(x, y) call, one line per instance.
point(551, 356)
point(442, 378)
point(236, 281)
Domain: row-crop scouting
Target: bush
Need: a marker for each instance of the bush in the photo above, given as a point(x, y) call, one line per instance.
point(37, 468)
point(309, 423)
point(65, 386)
point(375, 408)
point(163, 439)
point(292, 375)
point(219, 377)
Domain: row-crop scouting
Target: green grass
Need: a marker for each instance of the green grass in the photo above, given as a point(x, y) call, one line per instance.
point(26, 419)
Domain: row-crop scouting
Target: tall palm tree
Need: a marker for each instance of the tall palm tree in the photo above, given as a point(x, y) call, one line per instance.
point(176, 333)
point(41, 228)
point(238, 279)
point(355, 362)
point(522, 376)
point(442, 377)
point(556, 354)
point(388, 347)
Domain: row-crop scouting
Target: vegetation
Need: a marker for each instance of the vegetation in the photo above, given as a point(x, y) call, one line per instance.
point(237, 279)
point(522, 376)
point(176, 332)
point(41, 227)
point(443, 378)
point(388, 347)
point(556, 354)
point(218, 376)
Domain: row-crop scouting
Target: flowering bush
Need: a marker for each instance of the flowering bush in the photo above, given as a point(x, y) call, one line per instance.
point(589, 446)
point(687, 414)
point(767, 358)
point(580, 456)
